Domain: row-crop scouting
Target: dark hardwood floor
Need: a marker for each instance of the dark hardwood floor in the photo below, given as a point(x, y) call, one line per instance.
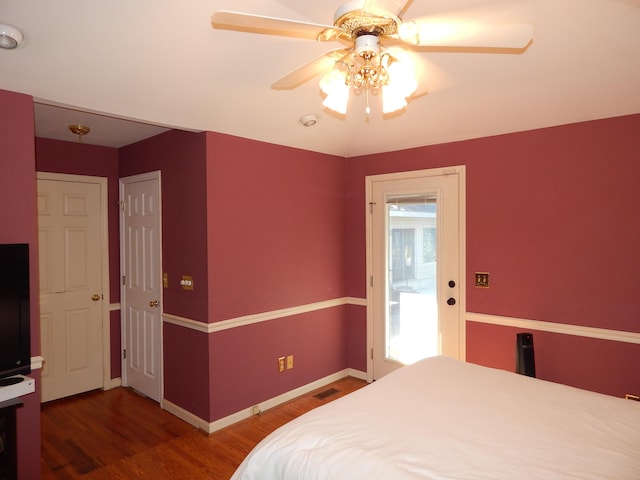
point(119, 434)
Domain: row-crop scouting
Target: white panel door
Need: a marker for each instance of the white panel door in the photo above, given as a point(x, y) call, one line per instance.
point(416, 255)
point(142, 283)
point(70, 249)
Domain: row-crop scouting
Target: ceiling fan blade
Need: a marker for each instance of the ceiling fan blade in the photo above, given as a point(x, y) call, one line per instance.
point(402, 7)
point(245, 22)
point(426, 33)
point(395, 7)
point(310, 70)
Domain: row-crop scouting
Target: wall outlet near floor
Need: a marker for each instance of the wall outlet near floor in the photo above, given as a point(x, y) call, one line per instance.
point(289, 362)
point(281, 364)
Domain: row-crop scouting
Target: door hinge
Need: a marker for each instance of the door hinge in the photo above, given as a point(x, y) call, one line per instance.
point(124, 280)
point(371, 204)
point(122, 205)
point(124, 354)
point(371, 280)
point(372, 354)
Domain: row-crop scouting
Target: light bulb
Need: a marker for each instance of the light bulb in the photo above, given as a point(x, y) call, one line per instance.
point(402, 78)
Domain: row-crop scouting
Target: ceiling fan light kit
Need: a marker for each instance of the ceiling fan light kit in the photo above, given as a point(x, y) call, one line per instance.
point(369, 65)
point(366, 69)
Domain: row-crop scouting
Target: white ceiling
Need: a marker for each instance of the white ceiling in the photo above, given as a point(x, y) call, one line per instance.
point(158, 63)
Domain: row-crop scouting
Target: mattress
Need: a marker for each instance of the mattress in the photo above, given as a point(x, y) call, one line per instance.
point(441, 418)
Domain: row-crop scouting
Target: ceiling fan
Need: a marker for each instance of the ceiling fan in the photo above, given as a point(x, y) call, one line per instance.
point(376, 38)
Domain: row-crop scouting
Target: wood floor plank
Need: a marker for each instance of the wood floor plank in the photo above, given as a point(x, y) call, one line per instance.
point(120, 435)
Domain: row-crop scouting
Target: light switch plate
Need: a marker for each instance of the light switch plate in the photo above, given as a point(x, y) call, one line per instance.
point(482, 279)
point(187, 282)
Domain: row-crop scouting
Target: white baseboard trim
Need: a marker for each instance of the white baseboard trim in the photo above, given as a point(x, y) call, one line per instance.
point(113, 383)
point(578, 330)
point(359, 374)
point(275, 401)
point(210, 427)
point(185, 415)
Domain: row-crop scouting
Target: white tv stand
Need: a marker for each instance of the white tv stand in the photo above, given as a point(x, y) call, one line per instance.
point(27, 385)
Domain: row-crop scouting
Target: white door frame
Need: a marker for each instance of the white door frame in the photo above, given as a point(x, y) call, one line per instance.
point(153, 175)
point(107, 383)
point(369, 180)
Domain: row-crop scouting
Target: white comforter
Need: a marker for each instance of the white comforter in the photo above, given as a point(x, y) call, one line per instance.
point(445, 419)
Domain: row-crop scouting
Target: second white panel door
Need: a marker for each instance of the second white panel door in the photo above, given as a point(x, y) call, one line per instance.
point(141, 253)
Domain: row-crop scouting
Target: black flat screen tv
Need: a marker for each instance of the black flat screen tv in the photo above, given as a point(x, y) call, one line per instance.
point(15, 320)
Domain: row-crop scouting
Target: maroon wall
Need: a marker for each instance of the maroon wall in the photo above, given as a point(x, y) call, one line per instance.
point(552, 216)
point(82, 159)
point(271, 237)
point(243, 359)
point(275, 226)
point(181, 158)
point(18, 225)
point(276, 240)
point(600, 365)
point(186, 369)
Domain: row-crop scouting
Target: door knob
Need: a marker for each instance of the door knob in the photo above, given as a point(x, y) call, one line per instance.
point(451, 301)
point(95, 297)
point(153, 303)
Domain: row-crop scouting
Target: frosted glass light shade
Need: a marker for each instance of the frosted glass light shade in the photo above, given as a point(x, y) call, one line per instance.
point(392, 100)
point(402, 78)
point(337, 91)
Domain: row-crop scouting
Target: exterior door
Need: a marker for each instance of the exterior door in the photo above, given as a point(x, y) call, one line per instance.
point(70, 235)
point(416, 292)
point(141, 268)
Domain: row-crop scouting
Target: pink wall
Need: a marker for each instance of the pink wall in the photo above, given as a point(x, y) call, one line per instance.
point(275, 240)
point(552, 215)
point(18, 225)
point(275, 226)
point(244, 360)
point(271, 237)
point(186, 369)
point(83, 159)
point(600, 365)
point(356, 337)
point(180, 156)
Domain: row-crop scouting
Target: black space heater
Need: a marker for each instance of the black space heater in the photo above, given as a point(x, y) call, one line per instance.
point(525, 360)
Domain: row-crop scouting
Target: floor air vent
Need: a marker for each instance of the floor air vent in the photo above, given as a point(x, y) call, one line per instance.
point(326, 393)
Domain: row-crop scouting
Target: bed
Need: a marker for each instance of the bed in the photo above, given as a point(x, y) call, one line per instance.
point(441, 418)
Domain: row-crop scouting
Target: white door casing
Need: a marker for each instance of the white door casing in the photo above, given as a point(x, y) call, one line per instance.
point(73, 272)
point(446, 187)
point(141, 267)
